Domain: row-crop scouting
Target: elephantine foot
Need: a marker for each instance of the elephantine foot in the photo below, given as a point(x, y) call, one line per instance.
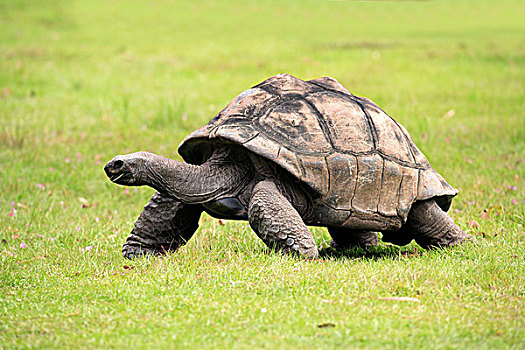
point(432, 227)
point(400, 238)
point(460, 237)
point(138, 251)
point(343, 238)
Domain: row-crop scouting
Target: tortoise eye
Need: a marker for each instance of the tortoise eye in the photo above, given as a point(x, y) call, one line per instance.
point(118, 164)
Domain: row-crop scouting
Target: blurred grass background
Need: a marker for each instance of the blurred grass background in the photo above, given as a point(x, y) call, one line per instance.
point(82, 81)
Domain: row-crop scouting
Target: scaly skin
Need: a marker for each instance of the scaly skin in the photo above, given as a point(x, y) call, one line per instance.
point(432, 227)
point(220, 176)
point(277, 223)
point(164, 225)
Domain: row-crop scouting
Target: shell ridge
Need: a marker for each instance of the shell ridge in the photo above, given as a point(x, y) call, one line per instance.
point(279, 151)
point(349, 95)
point(382, 182)
point(398, 195)
point(371, 126)
point(399, 161)
point(267, 110)
point(251, 138)
point(319, 85)
point(321, 121)
point(329, 173)
point(370, 123)
point(303, 171)
point(408, 144)
point(417, 183)
point(356, 182)
point(268, 88)
point(264, 108)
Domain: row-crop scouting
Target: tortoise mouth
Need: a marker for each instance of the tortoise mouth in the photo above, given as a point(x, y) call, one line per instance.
point(121, 178)
point(115, 178)
point(118, 173)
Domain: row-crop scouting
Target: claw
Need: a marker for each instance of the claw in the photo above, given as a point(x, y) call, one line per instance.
point(134, 252)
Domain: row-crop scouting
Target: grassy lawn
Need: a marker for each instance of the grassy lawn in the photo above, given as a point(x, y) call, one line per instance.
point(82, 81)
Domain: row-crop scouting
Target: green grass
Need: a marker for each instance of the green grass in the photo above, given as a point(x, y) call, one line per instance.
point(81, 81)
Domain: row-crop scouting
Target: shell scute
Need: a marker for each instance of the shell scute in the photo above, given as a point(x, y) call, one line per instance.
point(347, 123)
point(431, 182)
point(293, 123)
point(407, 190)
point(246, 104)
point(261, 145)
point(419, 157)
point(390, 138)
point(343, 177)
point(369, 172)
point(389, 193)
point(315, 173)
point(235, 132)
point(288, 160)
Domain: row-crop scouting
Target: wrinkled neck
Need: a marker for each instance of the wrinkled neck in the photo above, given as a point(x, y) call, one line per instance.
point(218, 177)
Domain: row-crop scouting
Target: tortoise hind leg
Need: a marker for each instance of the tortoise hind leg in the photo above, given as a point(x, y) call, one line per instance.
point(432, 227)
point(401, 237)
point(343, 238)
point(164, 225)
point(277, 223)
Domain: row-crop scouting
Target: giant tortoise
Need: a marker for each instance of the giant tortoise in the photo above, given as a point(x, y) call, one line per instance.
point(287, 154)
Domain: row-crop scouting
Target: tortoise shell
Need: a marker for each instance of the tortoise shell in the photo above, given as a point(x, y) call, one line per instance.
point(357, 159)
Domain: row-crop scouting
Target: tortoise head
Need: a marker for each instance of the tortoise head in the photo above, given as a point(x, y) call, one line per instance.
point(129, 169)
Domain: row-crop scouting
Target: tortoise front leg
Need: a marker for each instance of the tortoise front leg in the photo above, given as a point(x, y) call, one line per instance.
point(277, 223)
point(343, 238)
point(164, 225)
